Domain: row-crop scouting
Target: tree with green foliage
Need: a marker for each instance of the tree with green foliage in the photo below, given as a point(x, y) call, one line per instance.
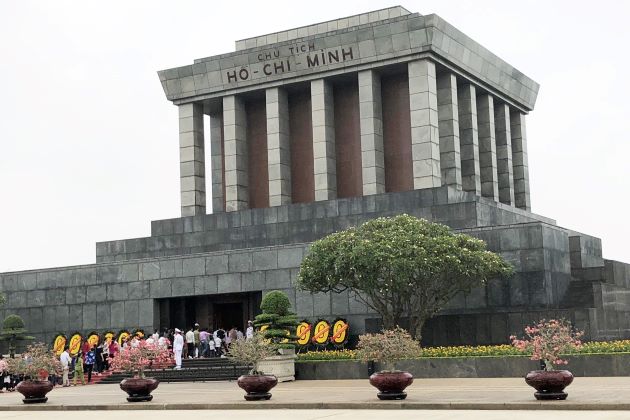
point(401, 267)
point(276, 321)
point(13, 330)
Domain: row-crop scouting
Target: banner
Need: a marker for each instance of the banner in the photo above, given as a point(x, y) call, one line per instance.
point(93, 339)
point(321, 332)
point(304, 333)
point(122, 335)
point(74, 347)
point(339, 335)
point(59, 343)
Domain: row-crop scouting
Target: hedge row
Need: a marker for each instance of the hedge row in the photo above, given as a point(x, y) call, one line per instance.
point(618, 346)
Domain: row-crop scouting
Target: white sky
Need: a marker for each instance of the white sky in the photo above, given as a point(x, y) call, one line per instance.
point(89, 144)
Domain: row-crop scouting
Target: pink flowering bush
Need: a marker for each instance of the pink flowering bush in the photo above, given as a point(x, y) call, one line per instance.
point(387, 347)
point(547, 340)
point(37, 362)
point(137, 358)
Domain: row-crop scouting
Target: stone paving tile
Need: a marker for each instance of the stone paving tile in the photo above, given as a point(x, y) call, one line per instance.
point(611, 393)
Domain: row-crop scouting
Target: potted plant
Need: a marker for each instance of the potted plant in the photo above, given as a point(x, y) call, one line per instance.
point(35, 365)
point(546, 341)
point(251, 352)
point(135, 360)
point(385, 348)
point(277, 324)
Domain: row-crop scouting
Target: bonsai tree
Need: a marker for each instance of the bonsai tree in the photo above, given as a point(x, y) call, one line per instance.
point(36, 363)
point(250, 352)
point(13, 330)
point(547, 340)
point(401, 267)
point(276, 321)
point(387, 347)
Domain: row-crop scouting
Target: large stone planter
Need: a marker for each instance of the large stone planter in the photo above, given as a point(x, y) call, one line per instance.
point(391, 385)
point(549, 385)
point(34, 391)
point(281, 366)
point(139, 389)
point(257, 386)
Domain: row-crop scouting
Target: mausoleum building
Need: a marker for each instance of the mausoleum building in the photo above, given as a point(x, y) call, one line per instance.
point(322, 127)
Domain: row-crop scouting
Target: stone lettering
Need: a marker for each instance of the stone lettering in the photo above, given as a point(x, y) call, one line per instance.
point(231, 75)
point(288, 59)
point(312, 61)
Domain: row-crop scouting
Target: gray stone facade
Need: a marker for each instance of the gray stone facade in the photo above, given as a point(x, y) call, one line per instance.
point(559, 272)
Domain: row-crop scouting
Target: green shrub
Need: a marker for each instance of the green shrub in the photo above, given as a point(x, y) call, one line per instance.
point(277, 322)
point(13, 323)
point(275, 302)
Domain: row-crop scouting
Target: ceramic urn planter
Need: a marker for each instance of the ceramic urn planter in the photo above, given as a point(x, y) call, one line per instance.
point(34, 391)
point(139, 389)
point(550, 384)
point(257, 386)
point(391, 385)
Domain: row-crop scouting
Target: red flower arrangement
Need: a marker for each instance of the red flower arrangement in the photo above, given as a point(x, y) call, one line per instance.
point(136, 358)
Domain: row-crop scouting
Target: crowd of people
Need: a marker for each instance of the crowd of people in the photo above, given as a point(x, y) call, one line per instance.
point(203, 342)
point(95, 359)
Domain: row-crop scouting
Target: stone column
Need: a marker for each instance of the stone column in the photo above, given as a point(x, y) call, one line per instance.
point(323, 117)
point(192, 172)
point(519, 160)
point(448, 119)
point(469, 138)
point(235, 143)
point(216, 159)
point(425, 136)
point(371, 116)
point(487, 147)
point(504, 153)
point(278, 152)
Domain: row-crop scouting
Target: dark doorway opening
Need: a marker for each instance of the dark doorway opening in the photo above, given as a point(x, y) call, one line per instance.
point(210, 311)
point(228, 315)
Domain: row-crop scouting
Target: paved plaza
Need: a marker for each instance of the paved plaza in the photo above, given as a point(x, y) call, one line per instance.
point(612, 393)
point(330, 415)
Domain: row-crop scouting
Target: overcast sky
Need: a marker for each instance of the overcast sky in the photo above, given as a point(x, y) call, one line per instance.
point(89, 144)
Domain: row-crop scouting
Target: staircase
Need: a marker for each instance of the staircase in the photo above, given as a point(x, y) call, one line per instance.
point(193, 370)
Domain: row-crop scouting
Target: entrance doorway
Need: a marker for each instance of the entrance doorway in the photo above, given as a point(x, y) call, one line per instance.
point(228, 315)
point(210, 311)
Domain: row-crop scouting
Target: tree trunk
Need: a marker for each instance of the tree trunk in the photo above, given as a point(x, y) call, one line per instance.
point(415, 327)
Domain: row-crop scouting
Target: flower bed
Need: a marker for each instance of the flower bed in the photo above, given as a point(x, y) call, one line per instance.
point(593, 347)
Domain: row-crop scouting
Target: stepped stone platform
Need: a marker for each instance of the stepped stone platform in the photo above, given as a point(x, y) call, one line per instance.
point(193, 370)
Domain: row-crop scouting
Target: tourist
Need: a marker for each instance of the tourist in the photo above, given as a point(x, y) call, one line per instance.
point(78, 369)
point(65, 360)
point(114, 348)
point(163, 341)
point(203, 342)
point(90, 358)
point(190, 343)
point(98, 359)
point(232, 336)
point(178, 347)
point(249, 332)
point(211, 346)
point(239, 334)
point(197, 341)
point(218, 343)
point(105, 365)
point(155, 336)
